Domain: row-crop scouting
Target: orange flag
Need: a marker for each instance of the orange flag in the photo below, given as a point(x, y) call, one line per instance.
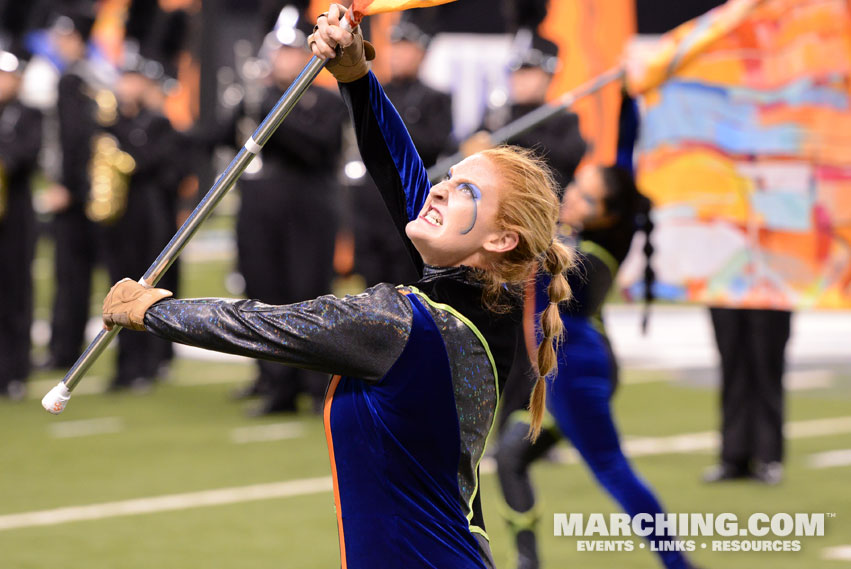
point(361, 8)
point(648, 67)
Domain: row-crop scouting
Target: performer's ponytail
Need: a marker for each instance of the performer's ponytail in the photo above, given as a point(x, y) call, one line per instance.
point(557, 259)
point(644, 222)
point(632, 212)
point(529, 206)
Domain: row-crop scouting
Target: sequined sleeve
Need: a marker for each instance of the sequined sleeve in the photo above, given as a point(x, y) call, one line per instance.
point(358, 336)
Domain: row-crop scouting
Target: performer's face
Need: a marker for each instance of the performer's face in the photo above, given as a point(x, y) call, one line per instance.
point(9, 85)
point(582, 206)
point(529, 85)
point(458, 224)
point(69, 45)
point(287, 63)
point(405, 59)
point(130, 90)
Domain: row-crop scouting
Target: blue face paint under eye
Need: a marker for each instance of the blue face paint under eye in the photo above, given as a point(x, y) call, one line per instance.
point(476, 194)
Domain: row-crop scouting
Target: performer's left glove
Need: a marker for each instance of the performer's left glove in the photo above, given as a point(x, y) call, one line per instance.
point(127, 302)
point(348, 62)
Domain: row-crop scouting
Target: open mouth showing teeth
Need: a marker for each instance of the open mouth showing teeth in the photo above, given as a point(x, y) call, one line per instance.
point(433, 217)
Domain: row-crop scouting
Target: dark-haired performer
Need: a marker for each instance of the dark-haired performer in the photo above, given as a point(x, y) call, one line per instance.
point(601, 208)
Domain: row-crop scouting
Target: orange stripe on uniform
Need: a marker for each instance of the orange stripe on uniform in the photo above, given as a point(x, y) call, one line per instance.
point(329, 396)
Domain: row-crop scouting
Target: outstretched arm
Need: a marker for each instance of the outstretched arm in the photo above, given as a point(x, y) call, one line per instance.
point(359, 336)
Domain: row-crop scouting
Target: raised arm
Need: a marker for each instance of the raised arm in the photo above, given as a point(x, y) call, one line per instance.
point(359, 336)
point(387, 149)
point(385, 145)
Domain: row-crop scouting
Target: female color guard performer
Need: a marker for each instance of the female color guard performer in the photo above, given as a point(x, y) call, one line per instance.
point(419, 369)
point(600, 213)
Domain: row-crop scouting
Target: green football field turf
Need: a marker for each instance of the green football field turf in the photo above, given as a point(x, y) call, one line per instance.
point(180, 440)
point(115, 458)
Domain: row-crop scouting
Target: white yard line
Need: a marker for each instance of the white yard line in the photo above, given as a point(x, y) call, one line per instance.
point(200, 354)
point(699, 442)
point(837, 553)
point(793, 380)
point(85, 427)
point(639, 446)
point(167, 503)
point(817, 427)
point(806, 379)
point(709, 440)
point(830, 459)
point(266, 433)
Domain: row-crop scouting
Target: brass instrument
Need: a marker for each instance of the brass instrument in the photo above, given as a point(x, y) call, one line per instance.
point(4, 190)
point(109, 168)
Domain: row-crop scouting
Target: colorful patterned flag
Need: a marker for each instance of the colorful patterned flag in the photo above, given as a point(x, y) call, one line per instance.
point(361, 8)
point(745, 150)
point(650, 65)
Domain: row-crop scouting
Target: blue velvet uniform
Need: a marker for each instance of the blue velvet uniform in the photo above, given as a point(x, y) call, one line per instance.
point(418, 375)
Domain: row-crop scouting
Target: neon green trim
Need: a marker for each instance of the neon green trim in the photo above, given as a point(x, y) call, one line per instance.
point(480, 531)
point(520, 416)
point(611, 263)
point(523, 416)
point(597, 324)
point(519, 521)
point(470, 325)
point(601, 253)
point(485, 345)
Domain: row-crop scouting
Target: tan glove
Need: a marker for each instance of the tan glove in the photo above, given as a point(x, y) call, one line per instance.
point(127, 302)
point(350, 64)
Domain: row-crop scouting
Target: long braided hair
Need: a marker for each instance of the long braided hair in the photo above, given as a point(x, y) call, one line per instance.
point(529, 206)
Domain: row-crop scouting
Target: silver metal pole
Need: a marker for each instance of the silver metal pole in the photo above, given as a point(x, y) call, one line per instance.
point(529, 121)
point(203, 210)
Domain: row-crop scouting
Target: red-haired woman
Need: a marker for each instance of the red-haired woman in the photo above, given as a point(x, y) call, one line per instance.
point(419, 369)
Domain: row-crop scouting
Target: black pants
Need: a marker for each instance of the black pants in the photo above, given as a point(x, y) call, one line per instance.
point(285, 240)
point(17, 239)
point(126, 251)
point(75, 258)
point(163, 227)
point(752, 345)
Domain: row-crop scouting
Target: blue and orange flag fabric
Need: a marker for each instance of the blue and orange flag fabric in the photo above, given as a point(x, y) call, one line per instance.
point(746, 153)
point(650, 65)
point(361, 8)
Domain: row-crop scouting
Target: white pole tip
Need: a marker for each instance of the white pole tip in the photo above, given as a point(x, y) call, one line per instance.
point(56, 399)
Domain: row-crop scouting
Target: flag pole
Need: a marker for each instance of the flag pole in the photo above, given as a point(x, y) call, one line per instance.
point(530, 120)
point(58, 397)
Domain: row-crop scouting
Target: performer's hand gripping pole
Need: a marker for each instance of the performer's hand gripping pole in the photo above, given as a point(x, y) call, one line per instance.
point(529, 121)
point(58, 397)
